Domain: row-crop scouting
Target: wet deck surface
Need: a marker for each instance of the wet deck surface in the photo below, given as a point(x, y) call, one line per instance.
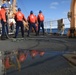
point(51, 63)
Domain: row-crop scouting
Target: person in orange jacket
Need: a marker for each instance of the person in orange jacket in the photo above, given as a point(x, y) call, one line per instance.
point(40, 18)
point(4, 18)
point(32, 21)
point(19, 17)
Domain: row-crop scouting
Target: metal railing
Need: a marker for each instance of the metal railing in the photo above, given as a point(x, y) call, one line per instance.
point(52, 26)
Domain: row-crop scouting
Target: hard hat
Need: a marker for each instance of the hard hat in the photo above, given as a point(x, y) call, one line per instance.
point(40, 11)
point(31, 12)
point(19, 9)
point(4, 6)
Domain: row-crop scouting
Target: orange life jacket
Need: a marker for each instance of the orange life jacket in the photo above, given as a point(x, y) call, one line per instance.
point(3, 14)
point(33, 53)
point(19, 16)
point(32, 18)
point(22, 57)
point(41, 17)
point(41, 53)
point(7, 62)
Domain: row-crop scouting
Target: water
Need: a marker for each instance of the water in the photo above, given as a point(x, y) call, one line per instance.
point(33, 58)
point(55, 30)
point(38, 61)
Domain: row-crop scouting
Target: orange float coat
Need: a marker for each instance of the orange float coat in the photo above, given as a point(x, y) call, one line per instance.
point(3, 14)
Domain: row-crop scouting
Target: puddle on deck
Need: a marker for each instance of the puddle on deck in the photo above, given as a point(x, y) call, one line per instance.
point(20, 59)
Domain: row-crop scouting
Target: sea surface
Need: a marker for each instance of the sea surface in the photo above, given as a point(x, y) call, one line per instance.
point(55, 30)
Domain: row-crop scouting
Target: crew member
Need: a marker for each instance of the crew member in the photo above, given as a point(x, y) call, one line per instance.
point(32, 21)
point(4, 18)
point(19, 17)
point(40, 18)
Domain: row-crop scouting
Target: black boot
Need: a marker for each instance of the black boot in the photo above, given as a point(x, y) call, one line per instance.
point(3, 37)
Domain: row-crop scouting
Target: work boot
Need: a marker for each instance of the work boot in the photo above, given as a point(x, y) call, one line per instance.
point(14, 37)
point(3, 37)
point(22, 36)
point(36, 34)
point(43, 33)
point(27, 35)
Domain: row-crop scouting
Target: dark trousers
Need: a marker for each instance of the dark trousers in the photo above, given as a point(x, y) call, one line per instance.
point(41, 24)
point(19, 24)
point(30, 28)
point(4, 28)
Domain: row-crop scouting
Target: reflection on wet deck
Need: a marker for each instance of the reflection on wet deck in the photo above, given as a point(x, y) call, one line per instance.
point(15, 59)
point(23, 59)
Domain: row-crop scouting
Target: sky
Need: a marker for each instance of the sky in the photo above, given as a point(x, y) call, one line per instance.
point(52, 9)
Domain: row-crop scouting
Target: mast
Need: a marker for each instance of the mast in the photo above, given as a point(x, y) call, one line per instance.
point(72, 17)
point(14, 6)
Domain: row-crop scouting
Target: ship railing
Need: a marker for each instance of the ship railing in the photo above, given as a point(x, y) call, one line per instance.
point(51, 26)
